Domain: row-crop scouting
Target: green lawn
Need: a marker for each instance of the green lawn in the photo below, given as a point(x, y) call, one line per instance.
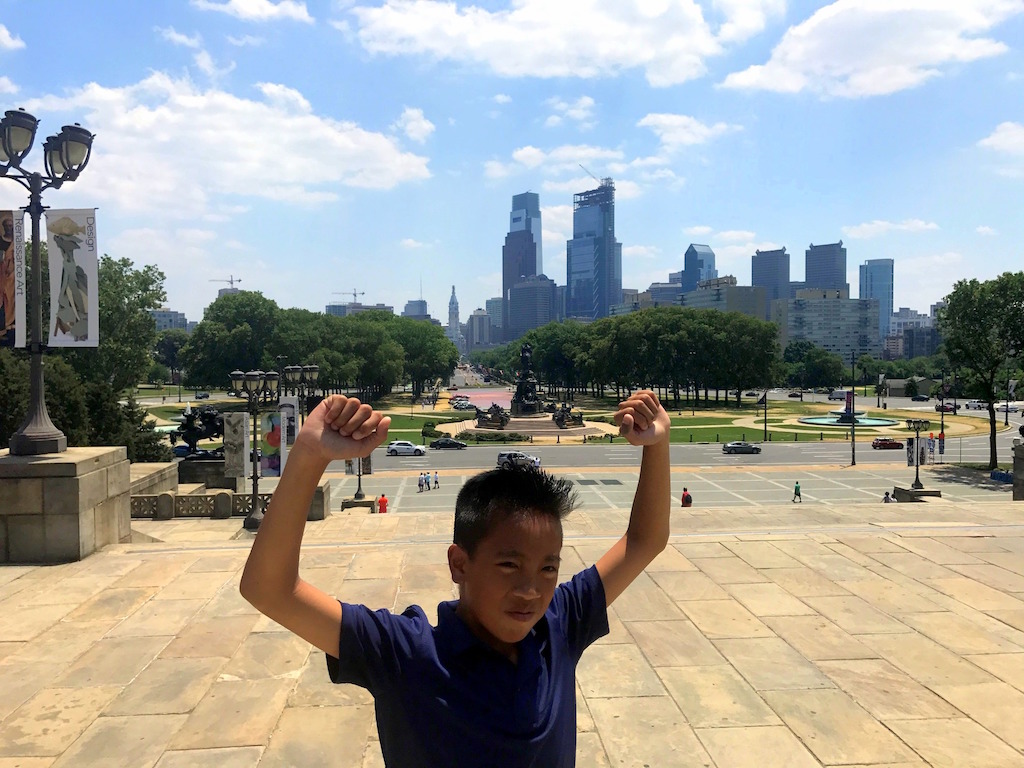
point(756, 435)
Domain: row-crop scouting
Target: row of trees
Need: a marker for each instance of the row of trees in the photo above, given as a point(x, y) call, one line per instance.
point(372, 351)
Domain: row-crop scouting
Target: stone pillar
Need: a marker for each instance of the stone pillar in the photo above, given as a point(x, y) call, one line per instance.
point(61, 507)
point(1018, 470)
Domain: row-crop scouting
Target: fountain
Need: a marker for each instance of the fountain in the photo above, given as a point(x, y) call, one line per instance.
point(845, 418)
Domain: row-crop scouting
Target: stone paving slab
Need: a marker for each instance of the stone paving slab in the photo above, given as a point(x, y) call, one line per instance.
point(800, 636)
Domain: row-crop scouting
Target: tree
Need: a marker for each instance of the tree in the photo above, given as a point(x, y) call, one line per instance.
point(235, 333)
point(168, 348)
point(981, 328)
point(127, 330)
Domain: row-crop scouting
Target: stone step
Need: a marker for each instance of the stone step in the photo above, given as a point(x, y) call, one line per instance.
point(188, 489)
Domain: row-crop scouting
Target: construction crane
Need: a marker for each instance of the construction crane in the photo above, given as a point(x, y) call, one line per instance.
point(589, 173)
point(355, 294)
point(231, 280)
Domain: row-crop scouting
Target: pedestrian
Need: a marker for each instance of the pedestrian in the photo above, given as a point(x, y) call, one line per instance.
point(426, 480)
point(419, 484)
point(687, 498)
point(796, 493)
point(887, 499)
point(382, 504)
point(436, 483)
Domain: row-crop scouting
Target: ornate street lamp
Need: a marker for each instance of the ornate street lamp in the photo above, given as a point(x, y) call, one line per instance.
point(918, 425)
point(258, 388)
point(64, 157)
point(301, 379)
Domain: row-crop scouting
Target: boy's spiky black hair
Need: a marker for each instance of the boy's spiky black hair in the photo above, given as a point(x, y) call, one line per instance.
point(493, 496)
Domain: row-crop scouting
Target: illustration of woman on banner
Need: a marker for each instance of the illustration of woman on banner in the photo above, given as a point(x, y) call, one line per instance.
point(7, 279)
point(73, 299)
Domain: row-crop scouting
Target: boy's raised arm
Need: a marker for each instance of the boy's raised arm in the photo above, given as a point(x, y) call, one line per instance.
point(339, 428)
point(642, 421)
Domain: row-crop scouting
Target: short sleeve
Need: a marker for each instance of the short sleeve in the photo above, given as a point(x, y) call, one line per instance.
point(375, 645)
point(581, 609)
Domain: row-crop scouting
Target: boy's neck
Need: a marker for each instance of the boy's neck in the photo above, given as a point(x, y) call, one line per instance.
point(509, 650)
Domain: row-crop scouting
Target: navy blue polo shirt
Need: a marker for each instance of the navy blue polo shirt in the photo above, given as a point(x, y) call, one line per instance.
point(444, 698)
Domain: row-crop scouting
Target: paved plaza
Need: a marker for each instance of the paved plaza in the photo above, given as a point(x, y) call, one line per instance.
point(838, 632)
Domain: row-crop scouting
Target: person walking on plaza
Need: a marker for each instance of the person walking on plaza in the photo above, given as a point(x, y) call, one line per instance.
point(419, 484)
point(436, 483)
point(687, 498)
point(382, 505)
point(426, 480)
point(887, 499)
point(493, 684)
point(796, 493)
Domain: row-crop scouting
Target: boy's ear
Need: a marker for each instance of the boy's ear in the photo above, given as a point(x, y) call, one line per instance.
point(457, 560)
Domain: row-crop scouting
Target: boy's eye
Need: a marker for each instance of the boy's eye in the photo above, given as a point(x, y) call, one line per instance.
point(507, 565)
point(551, 569)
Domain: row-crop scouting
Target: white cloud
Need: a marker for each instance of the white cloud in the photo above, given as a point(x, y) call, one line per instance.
point(733, 235)
point(171, 35)
point(640, 251)
point(985, 231)
point(502, 98)
point(206, 64)
point(858, 48)
point(668, 39)
point(408, 242)
point(246, 40)
point(698, 230)
point(7, 86)
point(580, 111)
point(258, 10)
point(154, 155)
point(414, 125)
point(676, 131)
point(9, 42)
point(1007, 137)
point(878, 227)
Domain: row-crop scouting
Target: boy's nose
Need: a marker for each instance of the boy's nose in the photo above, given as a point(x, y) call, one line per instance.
point(526, 588)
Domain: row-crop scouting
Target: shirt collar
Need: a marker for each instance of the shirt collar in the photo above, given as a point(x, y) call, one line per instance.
point(457, 638)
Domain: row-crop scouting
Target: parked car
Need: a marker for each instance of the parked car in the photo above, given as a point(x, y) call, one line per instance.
point(448, 443)
point(405, 448)
point(453, 388)
point(202, 395)
point(487, 379)
point(751, 393)
point(794, 394)
point(946, 407)
point(463, 405)
point(920, 398)
point(886, 442)
point(509, 459)
point(738, 446)
point(837, 394)
point(1007, 408)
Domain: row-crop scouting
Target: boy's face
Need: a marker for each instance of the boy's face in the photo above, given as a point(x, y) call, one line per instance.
point(508, 583)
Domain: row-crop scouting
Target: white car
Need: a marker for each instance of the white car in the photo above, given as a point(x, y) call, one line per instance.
point(1007, 408)
point(509, 459)
point(975, 405)
point(405, 448)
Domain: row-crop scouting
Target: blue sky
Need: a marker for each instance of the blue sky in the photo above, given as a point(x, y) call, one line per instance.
point(336, 145)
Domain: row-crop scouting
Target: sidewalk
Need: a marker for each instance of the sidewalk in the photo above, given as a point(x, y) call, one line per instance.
point(775, 636)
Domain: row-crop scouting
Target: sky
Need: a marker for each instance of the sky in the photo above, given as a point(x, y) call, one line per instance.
point(323, 149)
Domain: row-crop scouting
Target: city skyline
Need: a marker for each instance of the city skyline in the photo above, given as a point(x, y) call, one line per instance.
point(392, 159)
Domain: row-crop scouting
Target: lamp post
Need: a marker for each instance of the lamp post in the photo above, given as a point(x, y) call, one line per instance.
point(64, 157)
point(301, 379)
point(257, 387)
point(918, 425)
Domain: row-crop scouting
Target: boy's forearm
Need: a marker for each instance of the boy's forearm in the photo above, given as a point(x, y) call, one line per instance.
point(273, 565)
point(652, 504)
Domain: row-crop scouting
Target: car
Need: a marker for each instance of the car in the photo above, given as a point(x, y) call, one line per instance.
point(751, 393)
point(463, 405)
point(1007, 408)
point(509, 459)
point(453, 388)
point(487, 379)
point(975, 405)
point(795, 394)
point(448, 443)
point(882, 443)
point(739, 446)
point(920, 398)
point(202, 395)
point(181, 451)
point(405, 448)
point(946, 407)
point(837, 394)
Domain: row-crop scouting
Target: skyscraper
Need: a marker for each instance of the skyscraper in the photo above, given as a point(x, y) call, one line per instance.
point(454, 332)
point(770, 270)
point(825, 266)
point(521, 255)
point(593, 256)
point(876, 282)
point(698, 265)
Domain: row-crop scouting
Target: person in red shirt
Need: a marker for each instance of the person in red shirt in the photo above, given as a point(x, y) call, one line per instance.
point(382, 504)
point(687, 498)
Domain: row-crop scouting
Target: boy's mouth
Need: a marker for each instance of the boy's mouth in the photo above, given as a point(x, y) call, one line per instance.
point(520, 615)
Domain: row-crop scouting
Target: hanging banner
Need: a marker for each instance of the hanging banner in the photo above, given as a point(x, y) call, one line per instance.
point(270, 444)
point(74, 268)
point(289, 407)
point(1011, 385)
point(12, 279)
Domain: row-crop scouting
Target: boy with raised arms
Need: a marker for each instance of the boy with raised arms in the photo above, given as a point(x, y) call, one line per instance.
point(493, 684)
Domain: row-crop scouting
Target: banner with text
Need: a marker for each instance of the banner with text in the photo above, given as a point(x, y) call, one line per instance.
point(74, 272)
point(12, 279)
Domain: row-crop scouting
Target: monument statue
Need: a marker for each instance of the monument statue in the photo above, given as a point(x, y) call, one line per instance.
point(525, 400)
point(494, 417)
point(202, 424)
